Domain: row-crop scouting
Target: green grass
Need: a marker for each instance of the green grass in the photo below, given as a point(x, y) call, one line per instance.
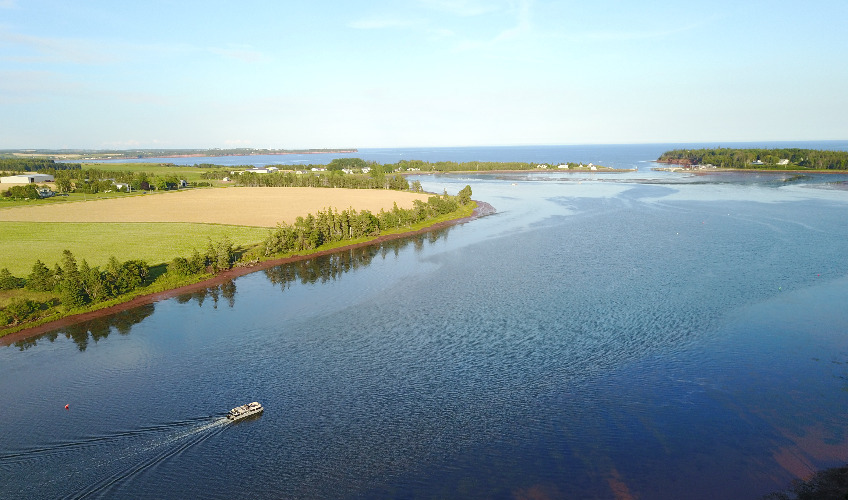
point(22, 243)
point(187, 172)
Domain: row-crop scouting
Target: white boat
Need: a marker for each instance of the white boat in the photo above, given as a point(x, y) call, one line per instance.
point(244, 411)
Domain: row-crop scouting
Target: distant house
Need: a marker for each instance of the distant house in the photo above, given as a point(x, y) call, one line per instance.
point(563, 166)
point(592, 167)
point(226, 179)
point(365, 170)
point(27, 178)
point(45, 192)
point(784, 161)
point(541, 166)
point(757, 162)
point(319, 169)
point(121, 186)
point(183, 183)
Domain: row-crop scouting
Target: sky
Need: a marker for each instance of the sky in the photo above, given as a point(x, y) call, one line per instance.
point(419, 73)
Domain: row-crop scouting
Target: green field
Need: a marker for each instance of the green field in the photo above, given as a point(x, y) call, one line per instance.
point(22, 243)
point(189, 173)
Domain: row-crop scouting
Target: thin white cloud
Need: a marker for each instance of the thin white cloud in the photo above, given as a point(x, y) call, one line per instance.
point(243, 53)
point(463, 8)
point(523, 27)
point(8, 4)
point(621, 36)
point(50, 49)
point(382, 23)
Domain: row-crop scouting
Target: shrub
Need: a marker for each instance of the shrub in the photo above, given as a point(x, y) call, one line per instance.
point(9, 282)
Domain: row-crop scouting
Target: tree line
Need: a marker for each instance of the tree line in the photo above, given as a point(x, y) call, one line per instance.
point(376, 179)
point(330, 226)
point(769, 158)
point(34, 165)
point(76, 284)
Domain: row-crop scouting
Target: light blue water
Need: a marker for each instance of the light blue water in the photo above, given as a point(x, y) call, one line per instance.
point(647, 335)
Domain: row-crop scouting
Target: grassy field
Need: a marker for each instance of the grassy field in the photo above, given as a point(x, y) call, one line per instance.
point(159, 227)
point(189, 173)
point(25, 242)
point(243, 206)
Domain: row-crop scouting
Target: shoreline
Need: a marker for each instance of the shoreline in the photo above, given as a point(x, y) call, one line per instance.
point(685, 166)
point(481, 210)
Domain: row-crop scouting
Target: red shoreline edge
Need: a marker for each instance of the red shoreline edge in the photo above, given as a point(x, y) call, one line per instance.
point(481, 210)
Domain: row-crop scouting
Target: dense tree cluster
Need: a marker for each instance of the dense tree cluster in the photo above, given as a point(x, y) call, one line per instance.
point(76, 284)
point(330, 226)
point(375, 179)
point(759, 158)
point(22, 192)
point(219, 256)
point(34, 165)
point(94, 180)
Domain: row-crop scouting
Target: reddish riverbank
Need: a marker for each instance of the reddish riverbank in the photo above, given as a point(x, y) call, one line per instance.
point(481, 210)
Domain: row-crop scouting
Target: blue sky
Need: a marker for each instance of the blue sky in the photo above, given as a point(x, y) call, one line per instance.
point(279, 74)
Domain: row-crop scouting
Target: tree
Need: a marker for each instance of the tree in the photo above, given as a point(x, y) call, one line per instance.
point(18, 311)
point(92, 282)
point(464, 195)
point(9, 282)
point(71, 288)
point(41, 279)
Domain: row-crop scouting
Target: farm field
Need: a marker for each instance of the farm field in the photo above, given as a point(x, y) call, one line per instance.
point(159, 227)
point(254, 206)
point(25, 242)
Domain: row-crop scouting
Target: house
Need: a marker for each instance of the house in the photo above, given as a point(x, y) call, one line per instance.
point(757, 162)
point(45, 192)
point(592, 167)
point(784, 161)
point(27, 178)
point(226, 179)
point(541, 166)
point(365, 170)
point(121, 186)
point(319, 169)
point(563, 166)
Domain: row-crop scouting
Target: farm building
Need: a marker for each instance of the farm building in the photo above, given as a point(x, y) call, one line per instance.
point(27, 178)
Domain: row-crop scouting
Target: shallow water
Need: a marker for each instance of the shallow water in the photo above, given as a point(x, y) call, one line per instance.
point(645, 335)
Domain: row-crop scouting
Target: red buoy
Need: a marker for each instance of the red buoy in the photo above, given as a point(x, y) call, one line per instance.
point(67, 407)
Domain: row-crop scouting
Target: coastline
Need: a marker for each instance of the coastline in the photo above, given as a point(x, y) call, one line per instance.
point(686, 166)
point(481, 210)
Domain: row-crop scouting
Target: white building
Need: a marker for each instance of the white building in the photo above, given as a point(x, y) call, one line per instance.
point(27, 178)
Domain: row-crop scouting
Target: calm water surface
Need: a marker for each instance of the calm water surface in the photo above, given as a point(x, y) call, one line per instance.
point(641, 335)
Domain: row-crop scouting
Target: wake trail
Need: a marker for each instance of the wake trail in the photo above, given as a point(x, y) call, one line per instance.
point(173, 445)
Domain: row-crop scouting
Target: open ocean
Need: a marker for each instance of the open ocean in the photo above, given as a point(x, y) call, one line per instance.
point(602, 335)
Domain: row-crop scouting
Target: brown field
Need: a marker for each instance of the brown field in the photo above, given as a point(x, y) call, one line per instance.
point(244, 206)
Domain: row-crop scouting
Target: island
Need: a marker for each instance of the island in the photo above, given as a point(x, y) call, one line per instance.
point(793, 159)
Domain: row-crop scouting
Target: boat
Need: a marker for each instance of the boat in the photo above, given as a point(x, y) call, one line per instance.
point(244, 411)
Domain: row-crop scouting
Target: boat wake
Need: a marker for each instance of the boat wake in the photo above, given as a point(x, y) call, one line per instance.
point(110, 460)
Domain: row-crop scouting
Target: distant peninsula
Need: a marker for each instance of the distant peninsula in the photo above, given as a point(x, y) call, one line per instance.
point(128, 154)
point(759, 159)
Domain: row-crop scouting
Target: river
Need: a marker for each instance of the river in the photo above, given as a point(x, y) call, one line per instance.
point(634, 335)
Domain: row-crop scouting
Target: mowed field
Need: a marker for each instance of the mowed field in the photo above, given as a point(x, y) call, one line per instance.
point(159, 227)
point(241, 206)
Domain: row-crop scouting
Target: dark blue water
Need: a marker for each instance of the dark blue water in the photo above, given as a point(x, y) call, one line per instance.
point(616, 156)
point(640, 335)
